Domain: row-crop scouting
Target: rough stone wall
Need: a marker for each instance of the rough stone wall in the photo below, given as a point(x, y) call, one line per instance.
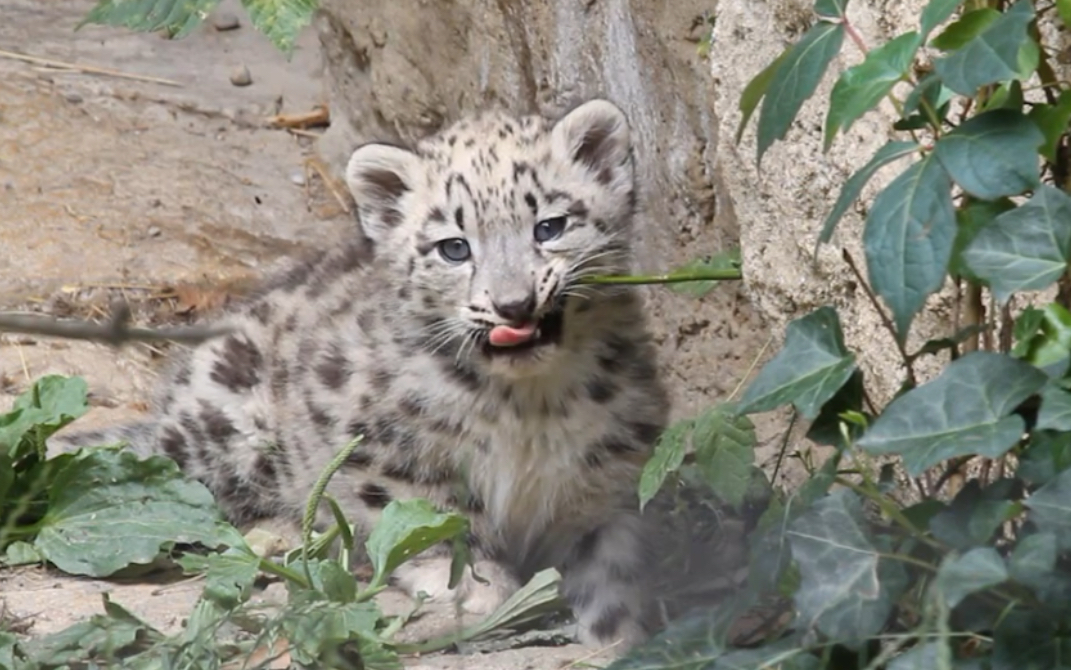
point(403, 69)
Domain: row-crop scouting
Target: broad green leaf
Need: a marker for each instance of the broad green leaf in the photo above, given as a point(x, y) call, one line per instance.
point(1055, 413)
point(1026, 248)
point(860, 88)
point(969, 26)
point(724, 444)
point(937, 12)
point(973, 517)
point(990, 56)
point(1047, 454)
point(102, 495)
point(50, 404)
point(1063, 7)
point(725, 261)
point(831, 9)
point(668, 455)
point(322, 633)
point(1053, 122)
point(229, 576)
point(845, 591)
point(908, 239)
point(811, 367)
point(406, 528)
point(993, 154)
point(281, 20)
point(977, 570)
point(754, 91)
point(795, 81)
point(103, 636)
point(959, 413)
point(826, 428)
point(1026, 327)
point(976, 216)
point(1033, 559)
point(1050, 508)
point(176, 17)
point(854, 186)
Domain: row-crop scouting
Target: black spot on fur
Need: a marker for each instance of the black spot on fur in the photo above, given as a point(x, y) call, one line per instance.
point(464, 376)
point(264, 469)
point(218, 427)
point(238, 368)
point(404, 292)
point(374, 495)
point(183, 372)
point(334, 368)
point(174, 445)
point(280, 377)
point(645, 433)
point(459, 218)
point(366, 320)
point(608, 623)
point(403, 469)
point(601, 390)
point(530, 200)
point(318, 415)
point(413, 404)
point(381, 379)
point(261, 312)
point(360, 459)
point(605, 176)
point(579, 209)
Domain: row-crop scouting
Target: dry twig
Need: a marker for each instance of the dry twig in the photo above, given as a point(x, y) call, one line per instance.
point(87, 69)
point(318, 117)
point(115, 332)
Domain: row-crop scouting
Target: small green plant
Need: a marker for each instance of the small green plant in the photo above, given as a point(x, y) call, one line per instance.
point(970, 566)
point(100, 511)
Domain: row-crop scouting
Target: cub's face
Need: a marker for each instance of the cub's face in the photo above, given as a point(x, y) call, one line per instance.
point(491, 224)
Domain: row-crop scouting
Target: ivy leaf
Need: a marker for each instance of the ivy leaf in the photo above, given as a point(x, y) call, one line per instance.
point(959, 413)
point(724, 443)
point(977, 570)
point(976, 216)
point(795, 81)
point(177, 17)
point(668, 456)
point(694, 641)
point(1055, 412)
point(972, 518)
point(726, 260)
point(754, 91)
point(846, 591)
point(1026, 248)
point(807, 372)
point(1033, 559)
point(908, 239)
point(937, 12)
point(1053, 121)
point(1047, 454)
point(969, 26)
point(1050, 508)
point(861, 87)
point(281, 20)
point(854, 186)
point(406, 528)
point(103, 494)
point(993, 154)
point(826, 428)
point(992, 55)
point(831, 9)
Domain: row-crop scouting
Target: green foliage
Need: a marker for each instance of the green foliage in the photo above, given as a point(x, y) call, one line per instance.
point(279, 20)
point(937, 533)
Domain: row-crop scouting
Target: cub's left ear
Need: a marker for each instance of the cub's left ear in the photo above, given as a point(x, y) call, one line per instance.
point(380, 176)
point(596, 135)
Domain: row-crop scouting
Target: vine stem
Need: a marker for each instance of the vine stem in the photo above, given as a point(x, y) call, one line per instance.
point(682, 276)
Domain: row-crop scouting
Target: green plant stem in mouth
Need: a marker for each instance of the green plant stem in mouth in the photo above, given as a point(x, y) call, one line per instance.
point(671, 278)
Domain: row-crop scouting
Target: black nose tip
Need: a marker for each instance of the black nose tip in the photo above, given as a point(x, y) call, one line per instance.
point(518, 311)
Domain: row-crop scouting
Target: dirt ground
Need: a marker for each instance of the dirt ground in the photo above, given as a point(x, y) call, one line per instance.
point(168, 196)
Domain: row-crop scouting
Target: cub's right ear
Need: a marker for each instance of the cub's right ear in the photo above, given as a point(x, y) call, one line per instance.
point(379, 177)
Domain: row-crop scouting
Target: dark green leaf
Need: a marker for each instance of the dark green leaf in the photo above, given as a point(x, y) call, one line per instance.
point(1047, 454)
point(795, 81)
point(1026, 248)
point(668, 455)
point(976, 216)
point(1026, 326)
point(908, 239)
point(978, 569)
point(969, 26)
point(100, 495)
point(1055, 413)
point(973, 517)
point(842, 591)
point(1030, 639)
point(826, 428)
point(176, 17)
point(1053, 121)
point(1033, 559)
point(406, 528)
point(1049, 344)
point(724, 444)
point(281, 20)
point(854, 186)
point(990, 56)
point(754, 91)
point(932, 347)
point(993, 154)
point(807, 372)
point(861, 87)
point(322, 633)
point(937, 12)
point(229, 575)
point(1050, 508)
point(728, 260)
point(959, 413)
point(50, 404)
point(831, 9)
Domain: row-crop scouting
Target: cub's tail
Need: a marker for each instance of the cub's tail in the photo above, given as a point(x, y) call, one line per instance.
point(139, 438)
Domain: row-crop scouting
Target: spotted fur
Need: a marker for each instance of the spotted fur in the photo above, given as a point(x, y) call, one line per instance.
point(386, 338)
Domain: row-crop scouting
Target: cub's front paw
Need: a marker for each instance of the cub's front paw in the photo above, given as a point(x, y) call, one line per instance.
point(480, 595)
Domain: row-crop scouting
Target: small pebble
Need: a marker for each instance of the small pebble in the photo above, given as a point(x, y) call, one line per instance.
point(154, 231)
point(72, 97)
point(298, 178)
point(226, 21)
point(241, 76)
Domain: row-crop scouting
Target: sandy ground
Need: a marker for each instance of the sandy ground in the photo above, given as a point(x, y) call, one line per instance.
point(115, 185)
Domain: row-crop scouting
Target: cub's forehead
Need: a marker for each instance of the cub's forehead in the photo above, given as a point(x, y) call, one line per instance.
point(488, 147)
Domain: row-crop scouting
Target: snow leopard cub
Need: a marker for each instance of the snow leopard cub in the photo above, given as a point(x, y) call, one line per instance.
point(458, 341)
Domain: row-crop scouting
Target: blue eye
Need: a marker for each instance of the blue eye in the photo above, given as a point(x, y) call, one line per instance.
point(454, 250)
point(549, 229)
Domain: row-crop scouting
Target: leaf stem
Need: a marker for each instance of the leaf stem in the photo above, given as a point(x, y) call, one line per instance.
point(316, 495)
point(732, 274)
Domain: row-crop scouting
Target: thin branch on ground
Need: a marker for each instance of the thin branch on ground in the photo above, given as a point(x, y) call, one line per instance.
point(116, 331)
point(87, 69)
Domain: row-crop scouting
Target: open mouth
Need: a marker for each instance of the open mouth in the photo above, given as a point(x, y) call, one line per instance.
point(520, 338)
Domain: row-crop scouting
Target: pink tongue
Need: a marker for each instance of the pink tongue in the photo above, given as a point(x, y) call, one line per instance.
point(508, 336)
